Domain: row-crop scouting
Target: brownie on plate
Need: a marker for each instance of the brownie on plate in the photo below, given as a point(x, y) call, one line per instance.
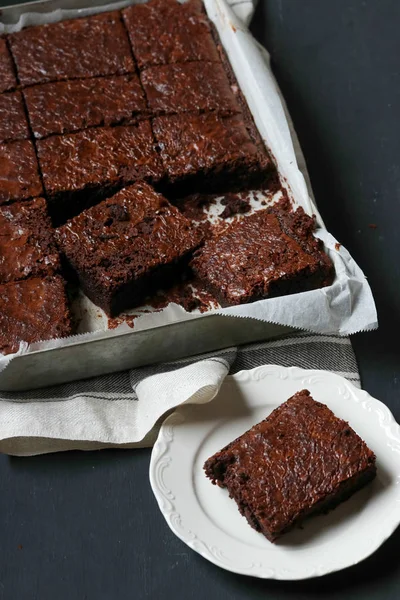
point(7, 76)
point(81, 168)
point(270, 253)
point(127, 247)
point(299, 461)
point(209, 153)
point(27, 245)
point(20, 178)
point(165, 31)
point(67, 106)
point(193, 86)
point(32, 310)
point(87, 47)
point(13, 122)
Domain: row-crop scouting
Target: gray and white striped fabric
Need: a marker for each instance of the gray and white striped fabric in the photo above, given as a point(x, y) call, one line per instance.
point(305, 350)
point(126, 409)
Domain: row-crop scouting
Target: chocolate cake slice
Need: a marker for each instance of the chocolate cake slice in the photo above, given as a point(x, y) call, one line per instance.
point(269, 253)
point(167, 31)
point(301, 460)
point(27, 245)
point(75, 48)
point(128, 247)
point(32, 310)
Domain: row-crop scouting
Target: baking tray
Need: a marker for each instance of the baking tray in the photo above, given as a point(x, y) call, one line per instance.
point(81, 357)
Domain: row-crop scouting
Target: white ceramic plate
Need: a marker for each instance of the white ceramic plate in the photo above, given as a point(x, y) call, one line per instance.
point(208, 521)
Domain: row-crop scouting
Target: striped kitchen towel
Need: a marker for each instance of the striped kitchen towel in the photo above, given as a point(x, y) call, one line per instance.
point(126, 409)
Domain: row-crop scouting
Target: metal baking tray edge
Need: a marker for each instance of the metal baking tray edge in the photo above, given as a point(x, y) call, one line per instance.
point(85, 359)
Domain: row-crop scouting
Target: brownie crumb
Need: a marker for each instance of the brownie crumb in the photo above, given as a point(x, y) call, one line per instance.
point(195, 206)
point(235, 204)
point(113, 323)
point(189, 294)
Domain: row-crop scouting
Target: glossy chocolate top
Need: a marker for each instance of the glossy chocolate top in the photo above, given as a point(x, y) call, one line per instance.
point(194, 86)
point(19, 172)
point(7, 75)
point(134, 230)
point(96, 45)
point(190, 143)
point(27, 245)
point(290, 461)
point(13, 122)
point(66, 106)
point(32, 310)
point(104, 155)
point(253, 254)
point(165, 31)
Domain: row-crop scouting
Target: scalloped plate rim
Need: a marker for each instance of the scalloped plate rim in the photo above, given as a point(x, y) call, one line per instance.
point(180, 414)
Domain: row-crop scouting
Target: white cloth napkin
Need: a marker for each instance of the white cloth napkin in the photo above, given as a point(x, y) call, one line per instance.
point(126, 409)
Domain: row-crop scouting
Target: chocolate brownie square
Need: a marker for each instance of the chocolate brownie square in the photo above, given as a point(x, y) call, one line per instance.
point(165, 31)
point(13, 122)
point(67, 106)
point(300, 461)
point(127, 247)
point(32, 310)
point(27, 245)
point(269, 253)
point(87, 47)
point(194, 86)
point(19, 170)
point(81, 168)
point(209, 153)
point(8, 80)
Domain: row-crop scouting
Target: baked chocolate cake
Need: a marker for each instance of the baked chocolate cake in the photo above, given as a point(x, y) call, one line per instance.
point(209, 153)
point(82, 168)
point(20, 178)
point(301, 460)
point(270, 253)
point(183, 87)
point(127, 247)
point(67, 106)
point(27, 245)
point(8, 80)
point(86, 47)
point(13, 122)
point(32, 310)
point(166, 31)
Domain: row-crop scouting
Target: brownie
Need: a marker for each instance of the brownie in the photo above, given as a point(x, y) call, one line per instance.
point(13, 122)
point(269, 253)
point(165, 31)
point(91, 46)
point(19, 172)
point(67, 106)
point(299, 461)
point(7, 76)
point(27, 245)
point(193, 86)
point(82, 168)
point(127, 247)
point(209, 153)
point(32, 310)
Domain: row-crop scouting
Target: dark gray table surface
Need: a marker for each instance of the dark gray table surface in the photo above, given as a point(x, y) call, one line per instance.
point(86, 526)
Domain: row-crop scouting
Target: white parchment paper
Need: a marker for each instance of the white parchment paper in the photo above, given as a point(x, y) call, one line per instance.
point(345, 307)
